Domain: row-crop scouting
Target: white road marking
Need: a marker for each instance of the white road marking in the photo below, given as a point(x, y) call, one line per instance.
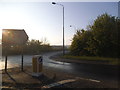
point(67, 81)
point(59, 83)
point(93, 80)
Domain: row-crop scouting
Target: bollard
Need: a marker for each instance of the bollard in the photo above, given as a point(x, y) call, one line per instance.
point(37, 65)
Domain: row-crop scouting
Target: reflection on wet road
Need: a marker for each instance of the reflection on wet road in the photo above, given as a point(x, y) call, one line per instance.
point(15, 61)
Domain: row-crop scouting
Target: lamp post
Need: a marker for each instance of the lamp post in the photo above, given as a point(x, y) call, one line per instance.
point(63, 26)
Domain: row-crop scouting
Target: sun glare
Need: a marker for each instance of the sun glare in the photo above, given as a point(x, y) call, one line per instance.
point(5, 33)
point(0, 33)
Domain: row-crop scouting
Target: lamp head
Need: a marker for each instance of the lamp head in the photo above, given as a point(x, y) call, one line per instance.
point(53, 3)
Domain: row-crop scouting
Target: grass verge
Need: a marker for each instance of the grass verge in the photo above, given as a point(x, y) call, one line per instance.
point(112, 61)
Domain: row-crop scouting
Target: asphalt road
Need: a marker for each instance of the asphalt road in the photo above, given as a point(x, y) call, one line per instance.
point(106, 73)
point(102, 73)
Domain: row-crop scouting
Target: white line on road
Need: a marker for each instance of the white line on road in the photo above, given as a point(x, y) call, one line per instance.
point(93, 80)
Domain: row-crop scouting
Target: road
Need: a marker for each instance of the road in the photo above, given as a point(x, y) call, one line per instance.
point(94, 72)
point(90, 71)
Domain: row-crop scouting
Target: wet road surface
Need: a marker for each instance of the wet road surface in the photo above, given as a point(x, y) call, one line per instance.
point(89, 71)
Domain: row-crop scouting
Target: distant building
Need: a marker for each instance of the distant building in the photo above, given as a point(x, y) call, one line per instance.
point(14, 36)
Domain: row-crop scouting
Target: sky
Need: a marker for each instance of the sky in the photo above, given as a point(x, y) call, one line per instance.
point(43, 20)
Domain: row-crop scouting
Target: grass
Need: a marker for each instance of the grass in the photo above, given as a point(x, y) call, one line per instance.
point(113, 61)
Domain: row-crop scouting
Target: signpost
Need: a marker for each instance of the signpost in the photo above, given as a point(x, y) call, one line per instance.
point(11, 37)
point(6, 63)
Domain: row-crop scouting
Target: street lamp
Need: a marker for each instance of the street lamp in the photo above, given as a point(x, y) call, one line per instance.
point(63, 25)
point(73, 26)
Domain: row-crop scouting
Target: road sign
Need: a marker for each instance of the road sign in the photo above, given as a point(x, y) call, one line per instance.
point(40, 59)
point(14, 36)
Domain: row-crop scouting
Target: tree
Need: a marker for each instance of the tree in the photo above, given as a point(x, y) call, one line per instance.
point(75, 47)
point(105, 34)
point(79, 44)
point(36, 46)
point(100, 40)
